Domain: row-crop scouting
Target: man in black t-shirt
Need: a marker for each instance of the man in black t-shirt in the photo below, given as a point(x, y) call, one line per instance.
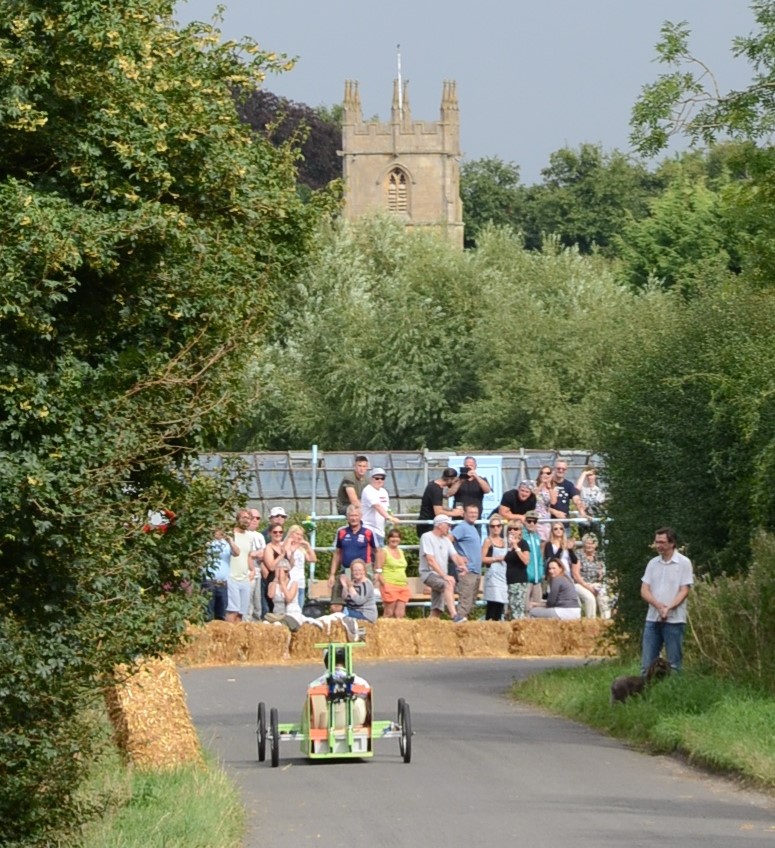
point(472, 488)
point(516, 502)
point(432, 503)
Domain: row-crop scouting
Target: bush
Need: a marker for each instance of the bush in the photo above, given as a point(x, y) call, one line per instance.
point(733, 619)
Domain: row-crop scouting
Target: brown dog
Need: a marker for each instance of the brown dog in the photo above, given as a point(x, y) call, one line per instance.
point(623, 687)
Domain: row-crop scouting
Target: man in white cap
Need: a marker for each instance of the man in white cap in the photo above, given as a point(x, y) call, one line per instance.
point(375, 504)
point(277, 518)
point(436, 550)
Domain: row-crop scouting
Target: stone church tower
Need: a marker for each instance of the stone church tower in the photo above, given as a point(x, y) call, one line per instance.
point(405, 167)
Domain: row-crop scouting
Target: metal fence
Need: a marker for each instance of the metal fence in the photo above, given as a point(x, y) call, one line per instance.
point(306, 482)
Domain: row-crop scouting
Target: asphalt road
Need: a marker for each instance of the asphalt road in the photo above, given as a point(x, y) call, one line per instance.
point(484, 770)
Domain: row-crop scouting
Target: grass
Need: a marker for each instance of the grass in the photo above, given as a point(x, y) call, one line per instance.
point(191, 807)
point(715, 724)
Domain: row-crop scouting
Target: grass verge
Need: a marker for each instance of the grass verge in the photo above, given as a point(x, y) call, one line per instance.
point(715, 724)
point(191, 807)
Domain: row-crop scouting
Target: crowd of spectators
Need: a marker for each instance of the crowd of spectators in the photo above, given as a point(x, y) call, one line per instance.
point(529, 562)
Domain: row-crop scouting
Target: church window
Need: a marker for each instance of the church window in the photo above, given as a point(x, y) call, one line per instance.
point(397, 192)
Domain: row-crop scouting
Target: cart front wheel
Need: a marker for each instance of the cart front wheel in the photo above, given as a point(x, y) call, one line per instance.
point(273, 726)
point(261, 732)
point(405, 739)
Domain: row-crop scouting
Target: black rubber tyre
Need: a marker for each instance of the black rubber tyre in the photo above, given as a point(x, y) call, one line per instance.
point(400, 709)
point(273, 723)
point(261, 731)
point(405, 740)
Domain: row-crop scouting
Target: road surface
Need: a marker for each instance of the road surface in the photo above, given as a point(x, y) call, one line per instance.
point(484, 771)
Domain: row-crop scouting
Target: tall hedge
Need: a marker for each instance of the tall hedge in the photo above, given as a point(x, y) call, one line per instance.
point(143, 230)
point(688, 433)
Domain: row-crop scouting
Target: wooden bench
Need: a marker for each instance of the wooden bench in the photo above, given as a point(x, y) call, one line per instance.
point(419, 593)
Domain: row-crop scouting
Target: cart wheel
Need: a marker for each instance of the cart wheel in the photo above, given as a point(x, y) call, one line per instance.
point(261, 731)
point(401, 703)
point(273, 722)
point(405, 739)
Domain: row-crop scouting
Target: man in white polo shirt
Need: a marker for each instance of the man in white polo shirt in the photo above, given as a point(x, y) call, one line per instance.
point(665, 587)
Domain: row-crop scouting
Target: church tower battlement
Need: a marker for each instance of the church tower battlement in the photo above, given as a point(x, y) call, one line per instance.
point(405, 167)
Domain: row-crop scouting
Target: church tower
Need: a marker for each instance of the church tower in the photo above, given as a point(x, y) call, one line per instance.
point(407, 168)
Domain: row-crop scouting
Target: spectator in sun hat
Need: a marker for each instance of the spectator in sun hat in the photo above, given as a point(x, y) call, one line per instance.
point(277, 517)
point(375, 505)
point(536, 569)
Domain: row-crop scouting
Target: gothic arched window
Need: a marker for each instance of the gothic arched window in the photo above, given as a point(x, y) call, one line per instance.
point(398, 192)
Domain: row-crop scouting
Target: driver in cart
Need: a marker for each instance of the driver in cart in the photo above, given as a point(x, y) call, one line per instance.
point(338, 687)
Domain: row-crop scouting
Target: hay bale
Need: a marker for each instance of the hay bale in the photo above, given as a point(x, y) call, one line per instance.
point(517, 637)
point(151, 722)
point(225, 642)
point(220, 643)
point(584, 638)
point(483, 638)
point(262, 643)
point(195, 647)
point(303, 642)
point(436, 638)
point(394, 638)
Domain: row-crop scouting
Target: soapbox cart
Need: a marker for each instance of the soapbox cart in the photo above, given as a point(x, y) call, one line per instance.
point(337, 718)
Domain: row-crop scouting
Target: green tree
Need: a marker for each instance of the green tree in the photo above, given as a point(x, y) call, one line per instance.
point(686, 100)
point(373, 346)
point(675, 245)
point(688, 433)
point(144, 228)
point(585, 197)
point(542, 338)
point(491, 194)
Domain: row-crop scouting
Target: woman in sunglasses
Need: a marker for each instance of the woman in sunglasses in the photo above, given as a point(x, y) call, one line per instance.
point(494, 550)
point(517, 559)
point(546, 498)
point(560, 547)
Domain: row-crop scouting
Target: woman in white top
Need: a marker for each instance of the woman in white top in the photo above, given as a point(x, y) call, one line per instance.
point(284, 592)
point(494, 549)
point(298, 551)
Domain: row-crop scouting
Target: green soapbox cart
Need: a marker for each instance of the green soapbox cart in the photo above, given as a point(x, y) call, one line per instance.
point(337, 719)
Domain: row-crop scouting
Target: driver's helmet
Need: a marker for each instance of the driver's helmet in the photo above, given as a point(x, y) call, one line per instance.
point(339, 657)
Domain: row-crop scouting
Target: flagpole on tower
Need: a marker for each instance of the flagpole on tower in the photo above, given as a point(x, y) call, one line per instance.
point(400, 86)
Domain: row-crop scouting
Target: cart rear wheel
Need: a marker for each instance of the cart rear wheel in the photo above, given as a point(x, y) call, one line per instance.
point(261, 731)
point(400, 709)
point(273, 726)
point(405, 739)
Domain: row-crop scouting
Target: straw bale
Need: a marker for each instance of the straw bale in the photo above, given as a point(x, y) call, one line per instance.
point(151, 722)
point(394, 638)
point(484, 638)
point(517, 637)
point(436, 638)
point(543, 638)
point(195, 646)
point(219, 643)
point(585, 637)
point(262, 643)
point(303, 641)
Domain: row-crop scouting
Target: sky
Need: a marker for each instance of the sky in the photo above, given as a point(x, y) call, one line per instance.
point(532, 77)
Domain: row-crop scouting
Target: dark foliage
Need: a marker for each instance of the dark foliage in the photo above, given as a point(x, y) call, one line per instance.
point(281, 120)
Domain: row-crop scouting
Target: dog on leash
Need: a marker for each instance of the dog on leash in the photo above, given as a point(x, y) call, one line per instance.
point(624, 687)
